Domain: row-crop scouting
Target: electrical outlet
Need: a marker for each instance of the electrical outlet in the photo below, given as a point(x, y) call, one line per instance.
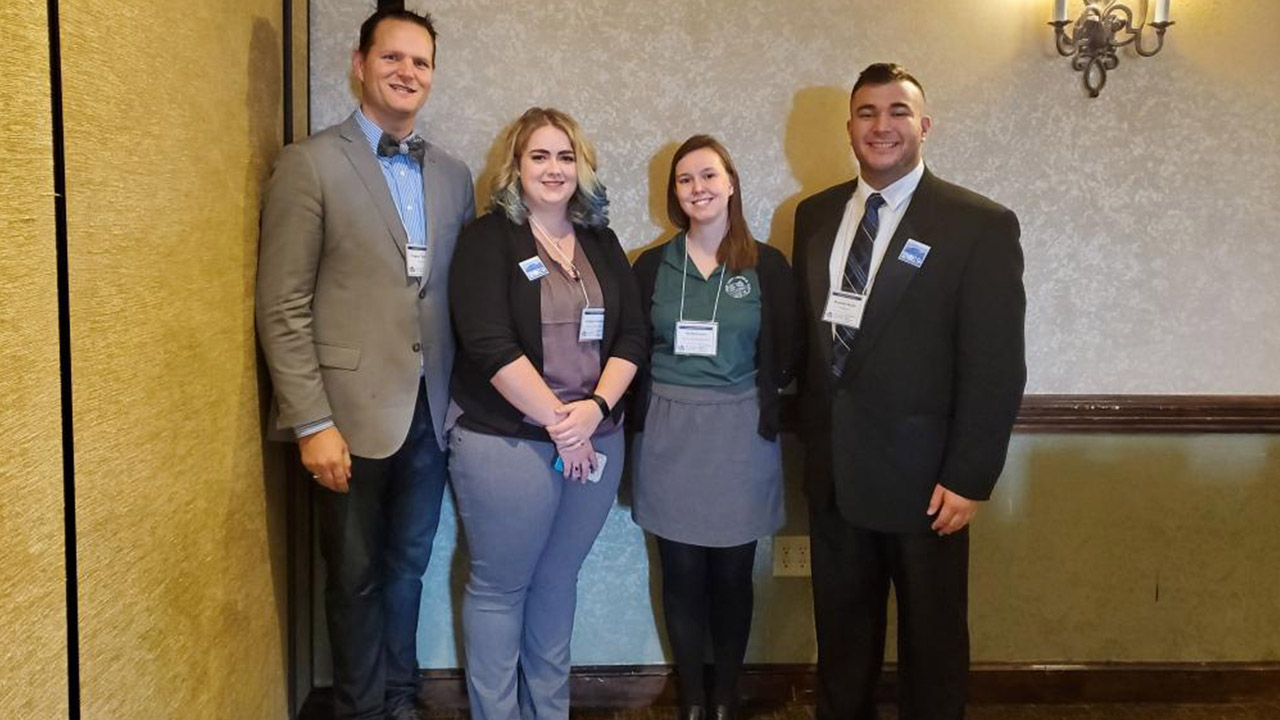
point(791, 556)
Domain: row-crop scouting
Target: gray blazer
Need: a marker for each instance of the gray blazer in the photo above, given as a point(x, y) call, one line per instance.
point(342, 325)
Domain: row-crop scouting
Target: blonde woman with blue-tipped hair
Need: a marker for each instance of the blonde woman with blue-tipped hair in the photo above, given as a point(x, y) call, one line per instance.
point(550, 335)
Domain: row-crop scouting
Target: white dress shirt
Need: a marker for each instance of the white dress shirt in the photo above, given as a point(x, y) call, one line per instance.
point(897, 196)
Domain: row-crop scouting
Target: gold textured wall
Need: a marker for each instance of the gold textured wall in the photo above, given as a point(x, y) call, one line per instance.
point(33, 650)
point(173, 113)
point(301, 115)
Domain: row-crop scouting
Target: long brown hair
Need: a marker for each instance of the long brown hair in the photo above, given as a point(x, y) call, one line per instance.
point(738, 250)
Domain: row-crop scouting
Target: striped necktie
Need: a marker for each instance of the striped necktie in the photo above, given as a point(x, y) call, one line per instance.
point(856, 269)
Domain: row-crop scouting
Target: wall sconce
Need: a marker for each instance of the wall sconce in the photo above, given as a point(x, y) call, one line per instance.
point(1105, 26)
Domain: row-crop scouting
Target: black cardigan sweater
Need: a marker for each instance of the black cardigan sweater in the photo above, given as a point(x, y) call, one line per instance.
point(497, 315)
point(777, 347)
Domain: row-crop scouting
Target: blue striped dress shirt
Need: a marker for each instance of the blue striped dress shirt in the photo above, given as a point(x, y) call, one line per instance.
point(404, 180)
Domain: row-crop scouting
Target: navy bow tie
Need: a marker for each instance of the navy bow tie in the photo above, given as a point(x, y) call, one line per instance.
point(413, 145)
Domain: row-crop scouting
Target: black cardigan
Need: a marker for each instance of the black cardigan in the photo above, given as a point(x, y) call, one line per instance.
point(777, 346)
point(497, 315)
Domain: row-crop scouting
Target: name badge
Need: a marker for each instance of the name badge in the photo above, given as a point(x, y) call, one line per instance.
point(914, 253)
point(697, 337)
point(533, 268)
point(591, 327)
point(845, 308)
point(415, 260)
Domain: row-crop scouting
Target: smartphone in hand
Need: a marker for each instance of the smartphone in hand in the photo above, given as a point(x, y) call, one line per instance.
point(594, 476)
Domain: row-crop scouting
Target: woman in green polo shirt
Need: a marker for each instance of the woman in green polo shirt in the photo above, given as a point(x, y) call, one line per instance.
point(723, 319)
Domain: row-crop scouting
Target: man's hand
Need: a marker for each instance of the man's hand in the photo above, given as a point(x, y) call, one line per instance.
point(953, 511)
point(577, 422)
point(326, 457)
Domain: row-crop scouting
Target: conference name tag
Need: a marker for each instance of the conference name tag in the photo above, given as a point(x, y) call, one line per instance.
point(914, 253)
point(845, 308)
point(697, 337)
point(533, 268)
point(591, 327)
point(415, 260)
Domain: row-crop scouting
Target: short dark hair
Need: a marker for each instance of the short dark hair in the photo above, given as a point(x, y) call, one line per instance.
point(883, 74)
point(371, 23)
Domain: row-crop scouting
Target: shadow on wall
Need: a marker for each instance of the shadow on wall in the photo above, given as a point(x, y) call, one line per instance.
point(494, 159)
point(263, 110)
point(354, 85)
point(459, 573)
point(659, 170)
point(817, 149)
point(264, 132)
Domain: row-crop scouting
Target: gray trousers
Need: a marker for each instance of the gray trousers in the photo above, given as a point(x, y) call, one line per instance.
point(528, 531)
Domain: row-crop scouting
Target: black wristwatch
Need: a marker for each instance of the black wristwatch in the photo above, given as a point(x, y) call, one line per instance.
point(603, 405)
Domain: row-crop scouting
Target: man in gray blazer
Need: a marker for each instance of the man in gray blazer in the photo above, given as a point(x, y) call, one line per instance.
point(358, 228)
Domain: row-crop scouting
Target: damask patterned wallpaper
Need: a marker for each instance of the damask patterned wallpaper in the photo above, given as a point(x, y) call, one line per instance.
point(1148, 214)
point(1150, 231)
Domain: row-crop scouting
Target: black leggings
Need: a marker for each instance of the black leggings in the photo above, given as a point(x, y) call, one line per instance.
point(707, 588)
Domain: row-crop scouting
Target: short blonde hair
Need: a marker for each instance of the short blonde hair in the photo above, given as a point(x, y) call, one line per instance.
point(589, 205)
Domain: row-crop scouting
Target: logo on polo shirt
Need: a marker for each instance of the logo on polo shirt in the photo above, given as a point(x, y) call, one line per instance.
point(738, 287)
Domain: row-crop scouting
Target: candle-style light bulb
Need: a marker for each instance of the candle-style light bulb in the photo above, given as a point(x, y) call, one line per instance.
point(1162, 10)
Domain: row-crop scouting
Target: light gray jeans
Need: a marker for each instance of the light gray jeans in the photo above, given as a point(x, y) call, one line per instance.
point(528, 531)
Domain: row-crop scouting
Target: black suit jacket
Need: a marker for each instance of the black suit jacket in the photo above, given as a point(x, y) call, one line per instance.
point(936, 372)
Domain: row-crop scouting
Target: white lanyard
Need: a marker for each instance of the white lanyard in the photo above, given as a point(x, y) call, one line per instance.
point(545, 238)
point(697, 337)
point(684, 277)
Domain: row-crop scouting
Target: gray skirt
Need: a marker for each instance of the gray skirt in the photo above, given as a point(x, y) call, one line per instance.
point(703, 475)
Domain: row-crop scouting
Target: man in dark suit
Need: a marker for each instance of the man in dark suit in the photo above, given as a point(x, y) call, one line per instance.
point(914, 303)
point(359, 223)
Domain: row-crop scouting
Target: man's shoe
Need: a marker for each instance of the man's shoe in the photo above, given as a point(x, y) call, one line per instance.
point(407, 711)
point(697, 712)
point(723, 712)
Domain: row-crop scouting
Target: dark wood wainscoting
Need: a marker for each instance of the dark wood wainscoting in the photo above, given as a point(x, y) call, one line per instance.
point(1149, 414)
point(990, 683)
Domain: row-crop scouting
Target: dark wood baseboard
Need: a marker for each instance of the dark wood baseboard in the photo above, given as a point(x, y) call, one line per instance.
point(764, 686)
point(989, 683)
point(1150, 414)
point(1124, 682)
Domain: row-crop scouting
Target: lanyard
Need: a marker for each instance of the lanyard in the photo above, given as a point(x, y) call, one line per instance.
point(684, 278)
point(545, 238)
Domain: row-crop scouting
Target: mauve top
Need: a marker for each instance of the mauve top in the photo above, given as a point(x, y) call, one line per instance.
point(570, 368)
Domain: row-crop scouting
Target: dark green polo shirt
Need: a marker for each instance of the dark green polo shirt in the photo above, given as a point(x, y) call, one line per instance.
point(738, 316)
